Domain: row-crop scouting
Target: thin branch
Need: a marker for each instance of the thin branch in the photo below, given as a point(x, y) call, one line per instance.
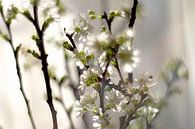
point(131, 25)
point(167, 95)
point(71, 39)
point(15, 52)
point(75, 90)
point(133, 14)
point(61, 101)
point(126, 119)
point(108, 21)
point(118, 70)
point(40, 45)
point(68, 113)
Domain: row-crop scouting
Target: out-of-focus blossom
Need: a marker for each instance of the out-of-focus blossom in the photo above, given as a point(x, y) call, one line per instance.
point(128, 59)
point(115, 100)
point(86, 103)
point(82, 29)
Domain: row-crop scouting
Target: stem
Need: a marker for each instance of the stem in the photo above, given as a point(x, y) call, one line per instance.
point(15, 52)
point(40, 45)
point(133, 14)
point(131, 25)
point(108, 22)
point(118, 70)
point(73, 87)
point(68, 113)
point(126, 119)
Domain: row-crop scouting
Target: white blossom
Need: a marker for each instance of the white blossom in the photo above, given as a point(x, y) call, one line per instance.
point(97, 125)
point(128, 59)
point(82, 28)
point(144, 80)
point(130, 33)
point(115, 100)
point(86, 103)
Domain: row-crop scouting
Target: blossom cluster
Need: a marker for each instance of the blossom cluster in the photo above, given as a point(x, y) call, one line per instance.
point(99, 56)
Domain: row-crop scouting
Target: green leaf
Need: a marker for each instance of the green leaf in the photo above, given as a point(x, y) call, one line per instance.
point(18, 48)
point(103, 29)
point(27, 14)
point(34, 2)
point(92, 14)
point(77, 29)
point(61, 8)
point(11, 14)
point(35, 37)
point(51, 72)
point(121, 40)
point(66, 45)
point(4, 36)
point(47, 22)
point(34, 54)
point(113, 14)
point(1, 6)
point(63, 79)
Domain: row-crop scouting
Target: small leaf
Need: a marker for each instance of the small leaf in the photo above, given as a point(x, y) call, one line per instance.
point(58, 99)
point(4, 36)
point(51, 72)
point(35, 37)
point(47, 22)
point(61, 8)
point(34, 2)
point(1, 7)
point(27, 14)
point(66, 45)
point(11, 14)
point(63, 79)
point(34, 53)
point(103, 29)
point(18, 48)
point(92, 14)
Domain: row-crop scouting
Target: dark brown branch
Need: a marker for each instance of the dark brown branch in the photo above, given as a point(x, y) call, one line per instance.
point(15, 52)
point(61, 101)
point(133, 14)
point(40, 45)
point(70, 37)
point(131, 25)
point(108, 21)
point(118, 70)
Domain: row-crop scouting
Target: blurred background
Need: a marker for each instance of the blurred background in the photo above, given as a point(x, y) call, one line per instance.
point(165, 30)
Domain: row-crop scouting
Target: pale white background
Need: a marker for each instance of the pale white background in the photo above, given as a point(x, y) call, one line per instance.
point(166, 30)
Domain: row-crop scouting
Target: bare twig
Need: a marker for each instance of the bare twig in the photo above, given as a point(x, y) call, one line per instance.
point(133, 14)
point(15, 52)
point(40, 45)
point(61, 101)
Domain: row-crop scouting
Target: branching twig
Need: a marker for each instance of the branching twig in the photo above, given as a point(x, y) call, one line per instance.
point(15, 52)
point(126, 119)
point(40, 45)
point(73, 87)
